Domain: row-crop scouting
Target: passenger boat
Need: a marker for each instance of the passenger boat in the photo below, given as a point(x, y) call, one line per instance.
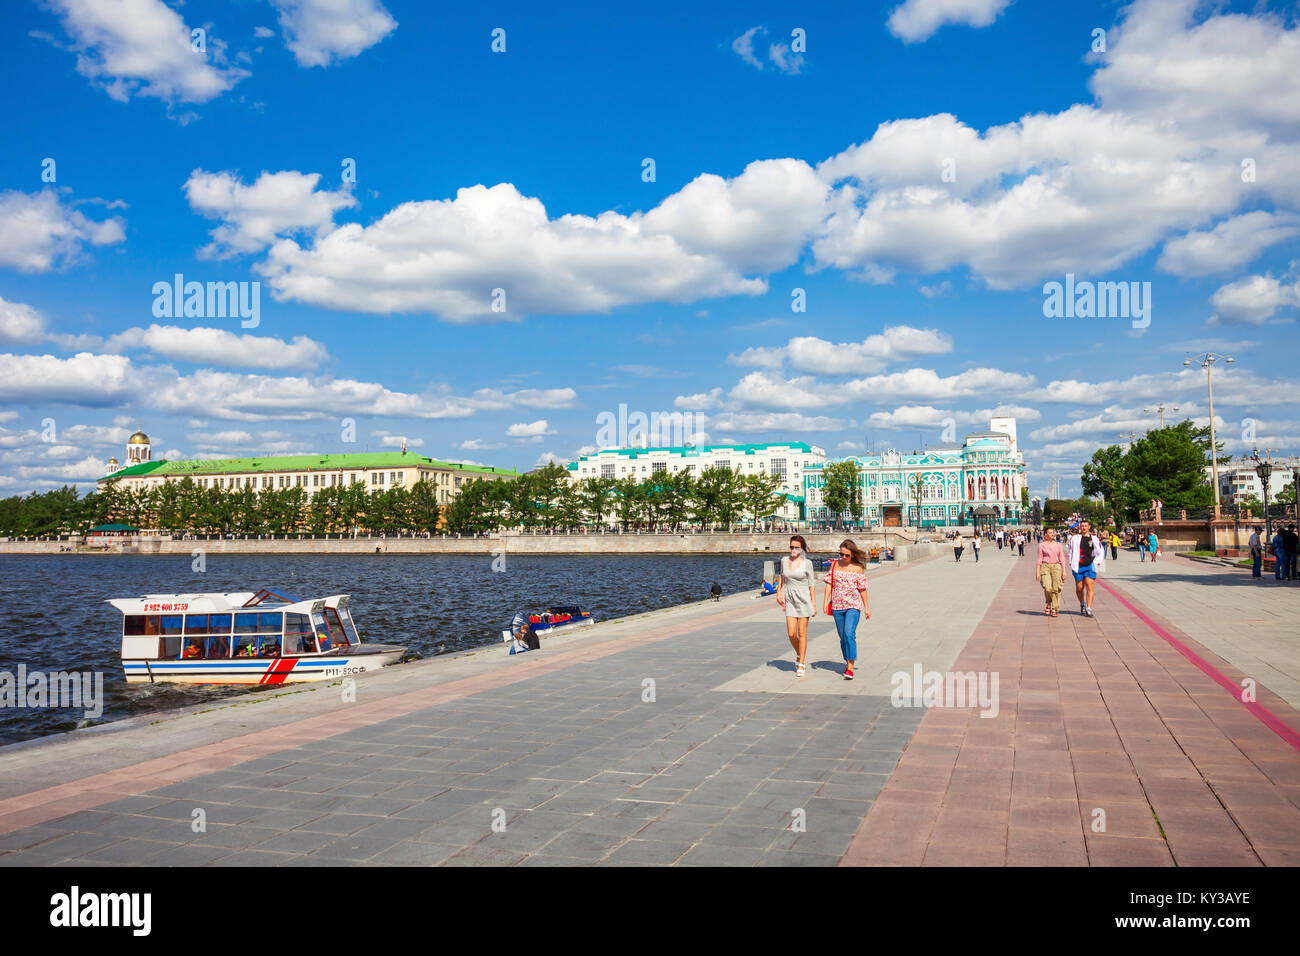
point(264, 637)
point(560, 618)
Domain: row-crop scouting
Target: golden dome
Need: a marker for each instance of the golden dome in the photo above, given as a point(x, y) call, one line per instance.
point(139, 438)
point(112, 461)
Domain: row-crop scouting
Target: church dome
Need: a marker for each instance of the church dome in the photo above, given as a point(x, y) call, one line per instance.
point(139, 438)
point(112, 461)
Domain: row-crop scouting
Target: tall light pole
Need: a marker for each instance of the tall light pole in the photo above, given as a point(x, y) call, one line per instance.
point(1207, 362)
point(1161, 409)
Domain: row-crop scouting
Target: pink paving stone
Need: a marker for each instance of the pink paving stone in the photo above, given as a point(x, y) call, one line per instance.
point(971, 856)
point(1046, 848)
point(951, 817)
point(1269, 828)
point(1097, 789)
point(1108, 850)
point(1033, 783)
point(985, 758)
point(1041, 813)
point(1049, 761)
point(1215, 853)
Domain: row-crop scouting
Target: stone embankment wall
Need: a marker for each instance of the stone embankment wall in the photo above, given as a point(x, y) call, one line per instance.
point(770, 544)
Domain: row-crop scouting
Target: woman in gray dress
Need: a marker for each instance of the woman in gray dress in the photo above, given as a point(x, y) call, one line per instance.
point(795, 595)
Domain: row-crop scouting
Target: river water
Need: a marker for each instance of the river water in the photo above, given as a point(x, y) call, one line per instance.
point(54, 616)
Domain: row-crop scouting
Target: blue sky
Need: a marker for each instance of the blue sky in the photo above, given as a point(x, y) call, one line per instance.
point(919, 169)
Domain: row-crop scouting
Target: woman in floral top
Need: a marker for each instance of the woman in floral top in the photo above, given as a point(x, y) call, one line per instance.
point(846, 595)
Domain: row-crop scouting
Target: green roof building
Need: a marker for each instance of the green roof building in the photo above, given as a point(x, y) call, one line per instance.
point(378, 471)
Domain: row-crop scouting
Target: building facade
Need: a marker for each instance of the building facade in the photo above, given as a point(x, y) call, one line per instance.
point(790, 460)
point(938, 487)
point(378, 471)
point(1238, 480)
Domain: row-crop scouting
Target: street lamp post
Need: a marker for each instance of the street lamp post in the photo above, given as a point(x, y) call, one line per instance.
point(1161, 409)
point(1264, 469)
point(1207, 362)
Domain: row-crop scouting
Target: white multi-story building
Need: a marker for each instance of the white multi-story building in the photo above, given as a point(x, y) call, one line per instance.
point(787, 459)
point(1238, 480)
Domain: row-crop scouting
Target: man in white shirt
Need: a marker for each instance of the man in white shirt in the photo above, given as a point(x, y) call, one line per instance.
point(1256, 554)
point(1087, 557)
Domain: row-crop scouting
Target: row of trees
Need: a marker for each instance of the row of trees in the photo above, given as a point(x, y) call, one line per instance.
point(1167, 464)
point(546, 498)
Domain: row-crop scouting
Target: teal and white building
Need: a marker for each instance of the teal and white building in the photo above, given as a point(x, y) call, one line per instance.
point(791, 460)
point(939, 487)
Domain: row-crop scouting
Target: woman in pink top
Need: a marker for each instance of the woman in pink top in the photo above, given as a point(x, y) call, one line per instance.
point(846, 599)
point(1050, 570)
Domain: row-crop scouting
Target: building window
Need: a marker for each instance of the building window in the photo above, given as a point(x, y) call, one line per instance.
point(778, 467)
point(376, 477)
point(659, 466)
point(397, 478)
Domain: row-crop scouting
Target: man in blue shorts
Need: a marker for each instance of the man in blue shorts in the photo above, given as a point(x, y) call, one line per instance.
point(1087, 557)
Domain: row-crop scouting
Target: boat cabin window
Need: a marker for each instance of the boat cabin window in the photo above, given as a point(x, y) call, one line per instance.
point(335, 627)
point(171, 643)
point(299, 638)
point(349, 628)
point(207, 636)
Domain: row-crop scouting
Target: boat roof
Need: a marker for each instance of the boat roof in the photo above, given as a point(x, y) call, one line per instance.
point(208, 602)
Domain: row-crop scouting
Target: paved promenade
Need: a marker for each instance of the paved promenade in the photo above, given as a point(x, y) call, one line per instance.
point(682, 737)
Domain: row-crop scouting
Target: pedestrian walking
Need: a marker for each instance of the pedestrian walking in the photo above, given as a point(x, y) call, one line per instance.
point(1256, 554)
point(1050, 571)
point(1292, 542)
point(1087, 556)
point(1142, 546)
point(795, 594)
point(1114, 546)
point(1153, 545)
point(845, 599)
point(1020, 543)
point(958, 546)
point(975, 546)
point(1279, 556)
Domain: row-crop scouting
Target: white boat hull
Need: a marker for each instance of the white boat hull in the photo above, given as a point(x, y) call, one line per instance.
point(263, 671)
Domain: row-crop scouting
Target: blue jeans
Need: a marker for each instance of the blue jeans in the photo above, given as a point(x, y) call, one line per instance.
point(846, 622)
point(1257, 561)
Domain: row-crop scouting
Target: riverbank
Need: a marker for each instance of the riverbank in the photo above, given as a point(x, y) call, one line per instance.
point(775, 544)
point(683, 737)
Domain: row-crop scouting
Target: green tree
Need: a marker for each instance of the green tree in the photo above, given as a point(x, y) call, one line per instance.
point(840, 489)
point(1168, 464)
point(1105, 476)
point(596, 495)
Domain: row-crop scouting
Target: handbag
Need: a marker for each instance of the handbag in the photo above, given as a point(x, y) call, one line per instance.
point(829, 591)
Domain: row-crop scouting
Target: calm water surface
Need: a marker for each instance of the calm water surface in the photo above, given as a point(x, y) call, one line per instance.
point(55, 617)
